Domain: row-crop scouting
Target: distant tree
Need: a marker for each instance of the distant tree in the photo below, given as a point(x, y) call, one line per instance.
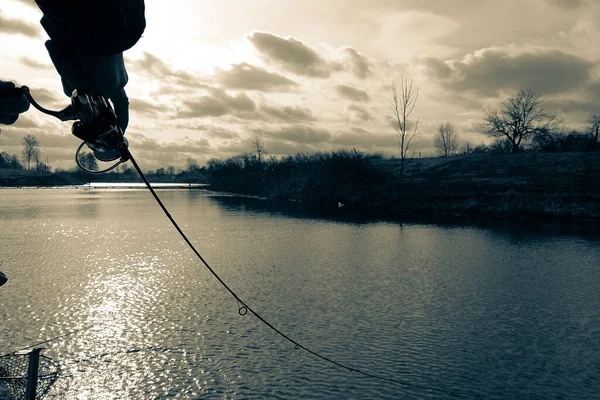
point(9, 161)
point(445, 139)
point(518, 119)
point(192, 165)
point(89, 161)
point(160, 172)
point(259, 146)
point(31, 149)
point(403, 104)
point(171, 170)
point(547, 140)
point(594, 126)
point(467, 149)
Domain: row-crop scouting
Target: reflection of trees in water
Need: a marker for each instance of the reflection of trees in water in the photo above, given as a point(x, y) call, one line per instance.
point(516, 229)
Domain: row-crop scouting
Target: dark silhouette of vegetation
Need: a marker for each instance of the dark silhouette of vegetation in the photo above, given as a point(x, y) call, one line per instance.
point(519, 118)
point(89, 161)
point(403, 104)
point(31, 149)
point(8, 161)
point(259, 147)
point(594, 126)
point(445, 140)
point(333, 177)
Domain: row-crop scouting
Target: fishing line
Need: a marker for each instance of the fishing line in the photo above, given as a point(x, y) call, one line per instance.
point(244, 308)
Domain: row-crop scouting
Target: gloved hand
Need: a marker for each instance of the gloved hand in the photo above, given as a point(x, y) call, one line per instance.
point(103, 75)
point(12, 103)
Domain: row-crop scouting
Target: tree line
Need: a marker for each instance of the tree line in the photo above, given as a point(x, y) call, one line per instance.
point(521, 123)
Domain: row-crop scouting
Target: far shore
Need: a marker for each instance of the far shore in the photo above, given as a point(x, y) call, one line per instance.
point(544, 187)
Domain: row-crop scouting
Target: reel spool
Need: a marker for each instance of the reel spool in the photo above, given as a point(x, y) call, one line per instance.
point(95, 124)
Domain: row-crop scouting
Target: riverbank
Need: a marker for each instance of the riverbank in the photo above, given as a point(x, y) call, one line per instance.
point(562, 186)
point(556, 186)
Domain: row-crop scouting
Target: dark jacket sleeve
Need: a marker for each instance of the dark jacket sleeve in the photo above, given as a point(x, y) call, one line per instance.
point(100, 27)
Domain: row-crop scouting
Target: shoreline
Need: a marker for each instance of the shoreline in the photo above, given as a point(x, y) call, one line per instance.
point(528, 187)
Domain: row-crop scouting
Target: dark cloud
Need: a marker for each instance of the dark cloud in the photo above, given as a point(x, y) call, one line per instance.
point(351, 93)
point(288, 113)
point(209, 130)
point(145, 107)
point(580, 108)
point(298, 134)
point(291, 54)
point(154, 67)
point(249, 77)
point(216, 104)
point(490, 72)
point(363, 139)
point(142, 142)
point(32, 63)
point(358, 112)
point(17, 27)
point(568, 4)
point(357, 63)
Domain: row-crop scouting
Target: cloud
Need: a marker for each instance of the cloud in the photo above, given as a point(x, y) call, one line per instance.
point(186, 145)
point(492, 71)
point(351, 93)
point(358, 113)
point(209, 130)
point(145, 107)
point(291, 54)
point(17, 27)
point(12, 136)
point(249, 77)
point(153, 66)
point(581, 106)
point(363, 139)
point(355, 62)
point(216, 104)
point(35, 64)
point(568, 4)
point(50, 98)
point(297, 134)
point(288, 113)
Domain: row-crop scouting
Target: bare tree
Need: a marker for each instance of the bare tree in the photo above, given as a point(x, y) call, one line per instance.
point(403, 104)
point(31, 149)
point(594, 127)
point(445, 139)
point(518, 119)
point(170, 170)
point(259, 147)
point(467, 149)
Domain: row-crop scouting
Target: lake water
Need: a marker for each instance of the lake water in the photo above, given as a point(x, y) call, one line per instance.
point(509, 312)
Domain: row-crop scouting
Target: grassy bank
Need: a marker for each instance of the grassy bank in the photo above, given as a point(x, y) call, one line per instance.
point(507, 186)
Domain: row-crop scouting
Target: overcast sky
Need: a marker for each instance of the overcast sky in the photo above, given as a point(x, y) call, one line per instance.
point(207, 77)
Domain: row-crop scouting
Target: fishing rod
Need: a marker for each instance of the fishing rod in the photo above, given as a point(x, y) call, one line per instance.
point(97, 125)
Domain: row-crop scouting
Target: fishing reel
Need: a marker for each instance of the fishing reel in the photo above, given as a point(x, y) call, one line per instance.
point(95, 124)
